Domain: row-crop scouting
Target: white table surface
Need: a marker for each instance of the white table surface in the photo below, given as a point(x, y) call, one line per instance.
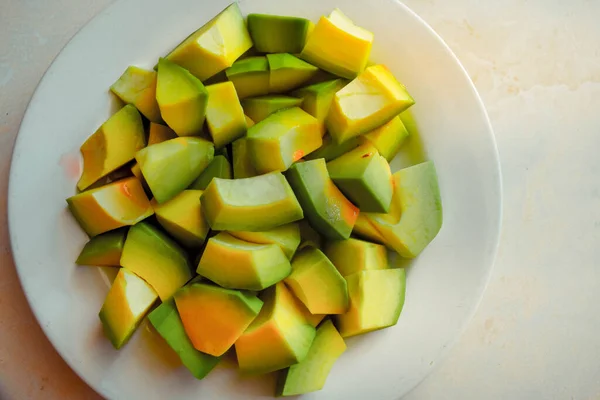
point(536, 64)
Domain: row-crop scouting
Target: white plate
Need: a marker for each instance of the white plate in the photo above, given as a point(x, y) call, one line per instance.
point(445, 284)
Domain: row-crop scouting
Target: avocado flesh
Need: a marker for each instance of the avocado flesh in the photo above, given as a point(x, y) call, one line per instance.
point(366, 230)
point(224, 114)
point(219, 167)
point(250, 76)
point(331, 150)
point(388, 138)
point(317, 98)
point(287, 72)
point(354, 255)
point(103, 250)
point(278, 34)
point(137, 86)
point(243, 166)
point(259, 108)
point(287, 237)
point(159, 133)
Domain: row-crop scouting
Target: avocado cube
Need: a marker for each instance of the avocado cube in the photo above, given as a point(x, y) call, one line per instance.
point(287, 237)
point(250, 76)
point(243, 165)
point(224, 114)
point(159, 133)
point(365, 229)
point(354, 255)
point(137, 86)
point(278, 34)
point(219, 167)
point(287, 72)
point(103, 250)
point(317, 98)
point(259, 108)
point(331, 150)
point(388, 138)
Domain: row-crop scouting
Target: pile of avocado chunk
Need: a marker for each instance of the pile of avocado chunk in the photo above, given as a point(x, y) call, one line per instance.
point(259, 151)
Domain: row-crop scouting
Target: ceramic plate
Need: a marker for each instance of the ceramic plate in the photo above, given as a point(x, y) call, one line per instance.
point(445, 283)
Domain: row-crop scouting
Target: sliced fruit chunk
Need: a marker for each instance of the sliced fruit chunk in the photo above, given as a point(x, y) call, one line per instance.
point(288, 72)
point(369, 101)
point(219, 167)
point(126, 304)
point(103, 250)
point(259, 108)
point(415, 217)
point(215, 46)
point(365, 229)
point(224, 115)
point(331, 150)
point(311, 373)
point(354, 255)
point(170, 167)
point(137, 86)
point(156, 258)
point(376, 301)
point(388, 138)
point(109, 207)
point(183, 219)
point(159, 133)
point(250, 76)
point(287, 237)
point(317, 98)
point(254, 204)
point(327, 210)
point(249, 122)
point(338, 46)
point(113, 145)
point(283, 138)
point(279, 337)
point(278, 34)
point(317, 283)
point(165, 319)
point(243, 166)
point(214, 317)
point(236, 264)
point(308, 236)
point(182, 98)
point(364, 177)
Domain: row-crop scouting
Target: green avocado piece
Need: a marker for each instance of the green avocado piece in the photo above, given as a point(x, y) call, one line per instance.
point(250, 76)
point(156, 258)
point(219, 167)
point(103, 250)
point(250, 204)
point(224, 114)
point(311, 373)
point(331, 150)
point(287, 237)
point(317, 283)
point(366, 230)
point(354, 255)
point(279, 336)
point(376, 301)
point(415, 217)
point(317, 98)
point(326, 208)
point(137, 86)
point(259, 108)
point(182, 98)
point(388, 138)
point(308, 236)
point(364, 177)
point(287, 72)
point(243, 166)
point(170, 167)
point(167, 323)
point(278, 34)
point(233, 263)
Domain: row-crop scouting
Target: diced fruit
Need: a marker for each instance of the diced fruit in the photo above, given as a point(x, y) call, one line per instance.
point(214, 317)
point(354, 255)
point(327, 210)
point(331, 150)
point(315, 319)
point(224, 115)
point(365, 229)
point(317, 283)
point(249, 122)
point(308, 236)
point(170, 167)
point(251, 204)
point(250, 76)
point(338, 46)
point(287, 72)
point(127, 302)
point(215, 46)
point(369, 101)
point(167, 323)
point(388, 138)
point(182, 98)
point(236, 264)
point(137, 86)
point(113, 145)
point(160, 133)
point(278, 34)
point(243, 166)
point(311, 373)
point(259, 108)
point(103, 250)
point(219, 167)
point(183, 219)
point(415, 217)
point(287, 237)
point(376, 301)
point(283, 138)
point(364, 177)
point(156, 258)
point(279, 337)
point(317, 98)
point(109, 207)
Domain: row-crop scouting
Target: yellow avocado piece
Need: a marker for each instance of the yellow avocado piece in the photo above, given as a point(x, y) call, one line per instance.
point(126, 304)
point(338, 46)
point(369, 101)
point(110, 207)
point(112, 145)
point(287, 72)
point(215, 46)
point(364, 228)
point(259, 108)
point(317, 98)
point(388, 138)
point(224, 114)
point(286, 236)
point(160, 133)
point(243, 166)
point(354, 255)
point(250, 76)
point(183, 219)
point(283, 138)
point(137, 86)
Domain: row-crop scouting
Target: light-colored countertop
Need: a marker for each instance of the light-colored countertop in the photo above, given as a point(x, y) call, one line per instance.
point(536, 64)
